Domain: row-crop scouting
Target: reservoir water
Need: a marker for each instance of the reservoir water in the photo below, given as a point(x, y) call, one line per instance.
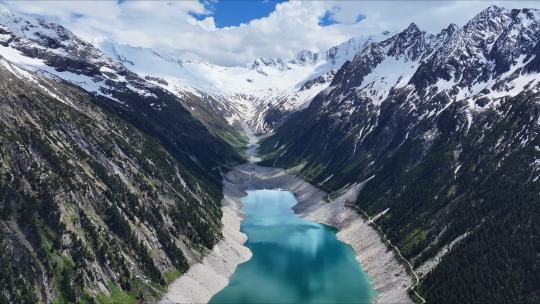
point(294, 260)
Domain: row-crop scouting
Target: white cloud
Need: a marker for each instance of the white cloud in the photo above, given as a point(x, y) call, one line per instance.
point(291, 27)
point(431, 16)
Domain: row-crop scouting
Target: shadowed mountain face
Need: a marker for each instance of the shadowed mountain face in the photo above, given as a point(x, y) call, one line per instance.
point(54, 52)
point(446, 128)
point(109, 186)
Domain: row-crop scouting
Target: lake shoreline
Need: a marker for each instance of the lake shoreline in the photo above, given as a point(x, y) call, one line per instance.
point(205, 279)
point(388, 276)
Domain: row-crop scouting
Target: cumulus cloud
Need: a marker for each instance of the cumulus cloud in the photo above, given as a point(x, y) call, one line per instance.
point(293, 26)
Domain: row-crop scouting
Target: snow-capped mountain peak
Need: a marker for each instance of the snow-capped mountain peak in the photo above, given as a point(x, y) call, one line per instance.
point(305, 57)
point(276, 63)
point(449, 31)
point(412, 29)
point(266, 84)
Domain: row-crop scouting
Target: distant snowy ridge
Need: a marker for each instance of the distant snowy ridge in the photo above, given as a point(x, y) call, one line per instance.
point(265, 85)
point(262, 92)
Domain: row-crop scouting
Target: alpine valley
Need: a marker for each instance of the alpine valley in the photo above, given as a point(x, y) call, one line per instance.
point(114, 159)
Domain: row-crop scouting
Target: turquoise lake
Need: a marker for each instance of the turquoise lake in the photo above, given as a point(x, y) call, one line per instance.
point(294, 260)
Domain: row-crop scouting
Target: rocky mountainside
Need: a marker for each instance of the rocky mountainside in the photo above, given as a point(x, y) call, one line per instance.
point(109, 186)
point(443, 132)
point(51, 50)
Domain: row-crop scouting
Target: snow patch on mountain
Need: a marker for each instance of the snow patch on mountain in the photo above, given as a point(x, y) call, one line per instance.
point(390, 73)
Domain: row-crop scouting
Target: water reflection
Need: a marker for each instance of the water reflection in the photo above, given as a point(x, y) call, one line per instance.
point(294, 261)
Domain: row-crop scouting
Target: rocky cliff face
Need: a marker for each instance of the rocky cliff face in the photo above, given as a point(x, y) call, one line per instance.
point(109, 186)
point(446, 129)
point(52, 51)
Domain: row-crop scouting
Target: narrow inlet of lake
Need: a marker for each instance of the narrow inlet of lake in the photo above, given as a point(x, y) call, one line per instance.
point(294, 260)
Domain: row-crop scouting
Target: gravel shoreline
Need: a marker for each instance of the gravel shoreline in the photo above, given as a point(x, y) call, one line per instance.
point(205, 279)
point(388, 276)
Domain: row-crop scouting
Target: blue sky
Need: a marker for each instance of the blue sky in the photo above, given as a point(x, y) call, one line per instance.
point(234, 12)
point(229, 13)
point(233, 32)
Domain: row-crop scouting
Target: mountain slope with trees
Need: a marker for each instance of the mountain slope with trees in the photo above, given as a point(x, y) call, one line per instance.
point(109, 187)
point(444, 130)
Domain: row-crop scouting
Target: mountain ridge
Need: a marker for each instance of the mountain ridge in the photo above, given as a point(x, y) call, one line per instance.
point(265, 90)
point(444, 128)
